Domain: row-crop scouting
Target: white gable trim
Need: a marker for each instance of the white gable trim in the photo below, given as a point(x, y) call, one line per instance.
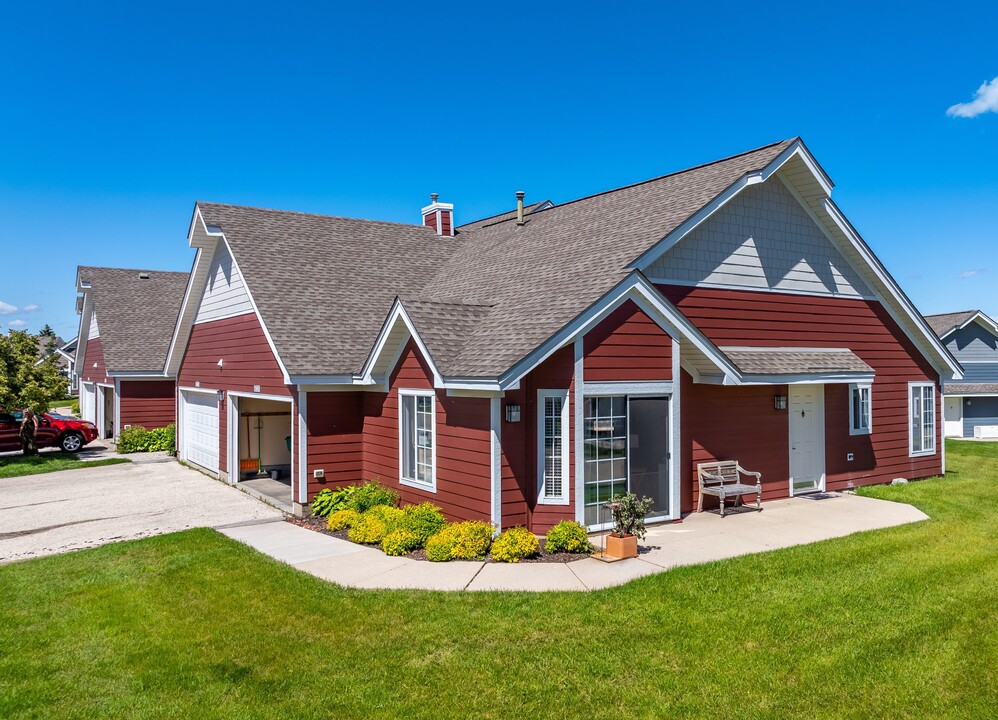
point(980, 318)
point(204, 238)
point(395, 316)
point(925, 336)
point(81, 337)
point(694, 221)
point(636, 288)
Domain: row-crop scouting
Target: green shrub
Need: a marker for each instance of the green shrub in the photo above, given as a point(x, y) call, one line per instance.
point(515, 544)
point(400, 542)
point(386, 513)
point(342, 519)
point(423, 521)
point(567, 536)
point(468, 540)
point(330, 500)
point(368, 529)
point(370, 494)
point(137, 439)
point(372, 526)
point(75, 405)
point(440, 546)
point(322, 505)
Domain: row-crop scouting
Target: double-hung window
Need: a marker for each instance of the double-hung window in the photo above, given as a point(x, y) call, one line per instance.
point(860, 410)
point(552, 446)
point(922, 418)
point(417, 439)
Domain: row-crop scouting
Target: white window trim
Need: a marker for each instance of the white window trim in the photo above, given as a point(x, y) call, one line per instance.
point(565, 447)
point(412, 482)
point(868, 430)
point(935, 420)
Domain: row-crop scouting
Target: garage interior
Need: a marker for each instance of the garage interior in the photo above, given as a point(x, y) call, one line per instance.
point(107, 415)
point(264, 443)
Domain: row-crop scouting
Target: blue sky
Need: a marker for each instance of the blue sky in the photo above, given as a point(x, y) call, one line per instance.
point(116, 118)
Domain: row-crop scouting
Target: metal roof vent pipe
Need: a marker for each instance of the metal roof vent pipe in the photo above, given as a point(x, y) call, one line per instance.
point(519, 207)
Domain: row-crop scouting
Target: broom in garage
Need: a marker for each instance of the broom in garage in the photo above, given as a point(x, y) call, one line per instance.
point(251, 463)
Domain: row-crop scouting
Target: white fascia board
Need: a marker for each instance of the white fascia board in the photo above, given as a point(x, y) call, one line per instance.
point(259, 317)
point(808, 379)
point(796, 148)
point(398, 314)
point(645, 296)
point(139, 375)
point(981, 319)
point(927, 336)
point(81, 347)
point(202, 261)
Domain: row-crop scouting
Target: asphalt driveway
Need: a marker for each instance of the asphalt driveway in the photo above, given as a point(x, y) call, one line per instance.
point(73, 509)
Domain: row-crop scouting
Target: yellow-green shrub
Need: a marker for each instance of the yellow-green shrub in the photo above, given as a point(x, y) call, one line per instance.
point(515, 544)
point(400, 542)
point(368, 529)
point(342, 519)
point(424, 521)
point(461, 541)
point(390, 515)
point(567, 536)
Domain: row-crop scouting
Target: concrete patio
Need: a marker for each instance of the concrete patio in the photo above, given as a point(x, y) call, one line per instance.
point(698, 539)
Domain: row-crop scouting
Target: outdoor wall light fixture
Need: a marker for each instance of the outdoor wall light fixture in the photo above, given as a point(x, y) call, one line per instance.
point(780, 402)
point(512, 413)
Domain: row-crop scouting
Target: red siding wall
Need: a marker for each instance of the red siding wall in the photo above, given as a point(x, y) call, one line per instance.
point(627, 346)
point(734, 317)
point(95, 354)
point(246, 361)
point(555, 373)
point(335, 439)
point(463, 444)
point(149, 403)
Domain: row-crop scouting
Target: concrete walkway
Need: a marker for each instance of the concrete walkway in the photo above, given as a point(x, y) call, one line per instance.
point(698, 539)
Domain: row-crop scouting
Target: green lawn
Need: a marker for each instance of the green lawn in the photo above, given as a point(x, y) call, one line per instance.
point(16, 465)
point(899, 623)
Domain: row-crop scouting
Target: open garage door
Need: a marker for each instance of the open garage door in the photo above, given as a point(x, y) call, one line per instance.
point(200, 431)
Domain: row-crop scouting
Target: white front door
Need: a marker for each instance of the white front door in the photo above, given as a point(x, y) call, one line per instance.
point(200, 430)
point(88, 402)
point(953, 417)
point(807, 438)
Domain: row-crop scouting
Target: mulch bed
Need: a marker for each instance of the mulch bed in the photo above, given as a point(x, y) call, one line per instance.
point(318, 524)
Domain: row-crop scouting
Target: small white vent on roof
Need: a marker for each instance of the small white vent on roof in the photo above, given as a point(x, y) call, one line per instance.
point(143, 276)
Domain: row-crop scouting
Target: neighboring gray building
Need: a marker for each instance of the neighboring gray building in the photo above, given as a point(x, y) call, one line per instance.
point(971, 405)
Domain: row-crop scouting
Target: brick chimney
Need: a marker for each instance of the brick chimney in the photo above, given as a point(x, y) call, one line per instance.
point(439, 216)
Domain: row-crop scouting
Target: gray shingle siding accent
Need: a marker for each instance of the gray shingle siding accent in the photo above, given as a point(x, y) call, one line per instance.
point(979, 411)
point(761, 239)
point(225, 293)
point(974, 343)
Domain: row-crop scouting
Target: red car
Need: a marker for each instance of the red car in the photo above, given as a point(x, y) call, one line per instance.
point(68, 434)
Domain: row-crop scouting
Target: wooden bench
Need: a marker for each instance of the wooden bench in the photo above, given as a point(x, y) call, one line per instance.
point(724, 479)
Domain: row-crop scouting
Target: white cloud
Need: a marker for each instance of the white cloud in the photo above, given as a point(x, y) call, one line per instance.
point(6, 309)
point(17, 323)
point(30, 308)
point(971, 273)
point(985, 100)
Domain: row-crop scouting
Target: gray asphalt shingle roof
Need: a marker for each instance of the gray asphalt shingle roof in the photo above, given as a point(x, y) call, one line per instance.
point(796, 361)
point(942, 324)
point(971, 388)
point(482, 300)
point(136, 316)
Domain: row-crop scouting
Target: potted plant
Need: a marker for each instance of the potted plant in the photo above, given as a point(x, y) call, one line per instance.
point(628, 524)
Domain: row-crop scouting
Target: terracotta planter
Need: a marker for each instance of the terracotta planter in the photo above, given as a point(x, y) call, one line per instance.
point(622, 547)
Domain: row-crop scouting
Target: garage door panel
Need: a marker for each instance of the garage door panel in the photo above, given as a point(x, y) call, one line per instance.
point(200, 432)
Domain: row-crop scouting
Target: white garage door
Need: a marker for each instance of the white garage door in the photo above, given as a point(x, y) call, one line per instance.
point(200, 431)
point(88, 402)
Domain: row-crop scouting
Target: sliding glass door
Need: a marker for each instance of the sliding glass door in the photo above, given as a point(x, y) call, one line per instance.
point(626, 442)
